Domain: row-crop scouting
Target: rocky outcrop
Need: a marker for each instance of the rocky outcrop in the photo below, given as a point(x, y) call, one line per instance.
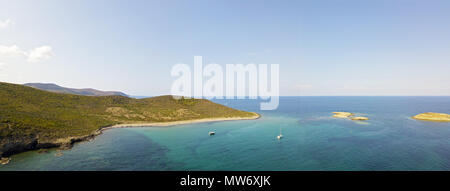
point(14, 145)
point(430, 116)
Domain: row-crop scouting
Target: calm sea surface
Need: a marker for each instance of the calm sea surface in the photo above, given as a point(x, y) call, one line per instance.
point(313, 140)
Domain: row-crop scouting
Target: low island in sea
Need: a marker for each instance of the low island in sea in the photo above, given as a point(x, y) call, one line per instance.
point(348, 115)
point(430, 116)
point(32, 119)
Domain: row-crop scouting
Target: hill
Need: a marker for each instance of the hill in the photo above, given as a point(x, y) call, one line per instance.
point(84, 91)
point(32, 119)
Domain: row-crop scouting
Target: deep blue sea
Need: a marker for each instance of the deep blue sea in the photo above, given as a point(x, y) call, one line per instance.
point(313, 140)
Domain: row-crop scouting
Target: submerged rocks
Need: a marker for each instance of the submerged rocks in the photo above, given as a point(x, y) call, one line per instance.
point(348, 115)
point(430, 116)
point(58, 154)
point(4, 160)
point(40, 151)
point(359, 118)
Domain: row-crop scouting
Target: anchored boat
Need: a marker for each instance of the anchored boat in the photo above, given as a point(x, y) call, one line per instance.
point(280, 135)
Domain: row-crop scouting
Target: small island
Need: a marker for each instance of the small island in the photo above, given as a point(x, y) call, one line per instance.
point(359, 118)
point(342, 114)
point(348, 115)
point(430, 116)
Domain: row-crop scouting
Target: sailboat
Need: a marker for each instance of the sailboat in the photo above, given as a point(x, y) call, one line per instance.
point(280, 135)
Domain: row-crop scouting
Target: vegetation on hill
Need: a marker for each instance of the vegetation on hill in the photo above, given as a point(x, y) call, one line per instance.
point(85, 91)
point(32, 118)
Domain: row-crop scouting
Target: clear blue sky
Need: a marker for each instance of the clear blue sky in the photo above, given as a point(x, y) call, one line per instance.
point(337, 47)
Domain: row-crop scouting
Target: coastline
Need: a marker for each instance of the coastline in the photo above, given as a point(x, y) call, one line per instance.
point(67, 142)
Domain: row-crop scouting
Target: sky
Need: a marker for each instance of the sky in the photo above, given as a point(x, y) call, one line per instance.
point(323, 48)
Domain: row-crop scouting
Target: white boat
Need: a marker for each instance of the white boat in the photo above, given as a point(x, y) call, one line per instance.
point(280, 135)
point(212, 133)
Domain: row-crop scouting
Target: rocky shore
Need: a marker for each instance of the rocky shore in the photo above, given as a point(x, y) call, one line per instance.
point(12, 145)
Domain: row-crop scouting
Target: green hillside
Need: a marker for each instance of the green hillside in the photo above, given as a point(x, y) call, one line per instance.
point(31, 118)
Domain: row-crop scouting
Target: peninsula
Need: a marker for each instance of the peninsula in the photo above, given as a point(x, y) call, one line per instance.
point(32, 119)
point(430, 116)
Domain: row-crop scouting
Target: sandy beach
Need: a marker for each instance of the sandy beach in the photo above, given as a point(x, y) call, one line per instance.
point(172, 123)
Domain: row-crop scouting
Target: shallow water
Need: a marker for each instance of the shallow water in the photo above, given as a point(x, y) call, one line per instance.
point(313, 140)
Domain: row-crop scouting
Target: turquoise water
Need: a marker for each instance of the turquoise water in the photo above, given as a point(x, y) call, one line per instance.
point(313, 140)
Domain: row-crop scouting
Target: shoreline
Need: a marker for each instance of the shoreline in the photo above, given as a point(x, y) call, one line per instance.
point(68, 142)
point(183, 122)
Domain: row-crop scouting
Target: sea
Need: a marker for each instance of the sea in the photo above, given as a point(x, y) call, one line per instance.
point(312, 140)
